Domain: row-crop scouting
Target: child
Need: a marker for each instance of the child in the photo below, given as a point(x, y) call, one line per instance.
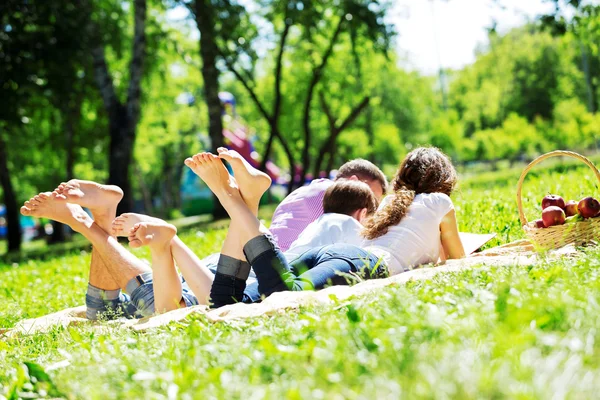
point(346, 204)
point(406, 230)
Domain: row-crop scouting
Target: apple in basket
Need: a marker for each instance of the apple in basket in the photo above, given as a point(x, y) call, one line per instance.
point(553, 200)
point(538, 223)
point(571, 208)
point(588, 207)
point(553, 215)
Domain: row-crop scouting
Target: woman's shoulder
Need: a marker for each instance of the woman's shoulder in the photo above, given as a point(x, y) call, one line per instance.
point(436, 200)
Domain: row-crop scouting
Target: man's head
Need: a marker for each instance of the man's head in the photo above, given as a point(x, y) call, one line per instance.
point(350, 197)
point(364, 171)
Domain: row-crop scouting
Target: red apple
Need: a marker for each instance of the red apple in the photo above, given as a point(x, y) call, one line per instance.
point(553, 215)
point(553, 200)
point(538, 223)
point(571, 208)
point(588, 207)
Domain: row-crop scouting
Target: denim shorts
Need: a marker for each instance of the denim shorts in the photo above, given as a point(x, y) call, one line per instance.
point(138, 303)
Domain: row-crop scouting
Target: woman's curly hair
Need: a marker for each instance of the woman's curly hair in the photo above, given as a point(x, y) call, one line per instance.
point(424, 170)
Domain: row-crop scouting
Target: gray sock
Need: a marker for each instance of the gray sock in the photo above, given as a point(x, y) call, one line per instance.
point(230, 266)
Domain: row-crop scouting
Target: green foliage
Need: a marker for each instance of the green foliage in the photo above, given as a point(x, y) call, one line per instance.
point(528, 92)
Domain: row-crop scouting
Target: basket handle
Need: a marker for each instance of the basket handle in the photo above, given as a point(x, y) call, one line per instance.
point(538, 160)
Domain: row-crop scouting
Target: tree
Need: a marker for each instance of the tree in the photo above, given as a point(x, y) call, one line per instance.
point(362, 18)
point(584, 27)
point(33, 34)
point(123, 117)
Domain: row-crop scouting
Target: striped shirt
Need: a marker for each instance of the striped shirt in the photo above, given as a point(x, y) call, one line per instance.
point(303, 206)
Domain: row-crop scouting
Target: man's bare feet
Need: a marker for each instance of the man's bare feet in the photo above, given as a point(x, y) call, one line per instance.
point(98, 198)
point(125, 222)
point(252, 182)
point(46, 205)
point(212, 171)
point(155, 235)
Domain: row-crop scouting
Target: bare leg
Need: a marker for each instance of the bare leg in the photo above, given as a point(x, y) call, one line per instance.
point(102, 201)
point(252, 184)
point(167, 285)
point(196, 274)
point(120, 263)
point(212, 171)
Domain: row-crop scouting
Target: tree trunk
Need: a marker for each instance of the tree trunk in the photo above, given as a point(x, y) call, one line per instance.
point(370, 134)
point(122, 140)
point(591, 93)
point(205, 20)
point(178, 173)
point(123, 119)
point(10, 201)
point(316, 77)
point(146, 194)
point(334, 130)
point(71, 112)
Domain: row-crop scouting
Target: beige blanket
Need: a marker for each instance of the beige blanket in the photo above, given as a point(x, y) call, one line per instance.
point(519, 253)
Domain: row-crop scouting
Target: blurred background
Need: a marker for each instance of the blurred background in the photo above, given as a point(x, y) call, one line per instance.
point(122, 92)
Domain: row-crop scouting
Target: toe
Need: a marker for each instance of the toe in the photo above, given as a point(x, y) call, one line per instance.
point(25, 211)
point(134, 243)
point(134, 229)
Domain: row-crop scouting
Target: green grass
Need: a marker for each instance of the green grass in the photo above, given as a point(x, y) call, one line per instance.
point(514, 332)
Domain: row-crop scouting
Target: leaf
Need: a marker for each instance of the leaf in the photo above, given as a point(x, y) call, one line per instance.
point(352, 314)
point(36, 371)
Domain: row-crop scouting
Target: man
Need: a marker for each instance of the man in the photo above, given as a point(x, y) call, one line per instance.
point(113, 269)
point(305, 204)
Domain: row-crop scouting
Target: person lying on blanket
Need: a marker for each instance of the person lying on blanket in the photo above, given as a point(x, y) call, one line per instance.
point(114, 270)
point(304, 205)
point(404, 232)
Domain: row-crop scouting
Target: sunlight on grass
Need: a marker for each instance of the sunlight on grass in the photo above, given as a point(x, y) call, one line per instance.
point(518, 332)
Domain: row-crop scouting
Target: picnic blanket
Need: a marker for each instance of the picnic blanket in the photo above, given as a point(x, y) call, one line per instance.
point(520, 253)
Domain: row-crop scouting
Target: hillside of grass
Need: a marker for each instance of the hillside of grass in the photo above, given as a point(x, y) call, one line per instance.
point(513, 332)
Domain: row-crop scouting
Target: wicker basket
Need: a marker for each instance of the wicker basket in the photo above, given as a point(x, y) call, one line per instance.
point(578, 233)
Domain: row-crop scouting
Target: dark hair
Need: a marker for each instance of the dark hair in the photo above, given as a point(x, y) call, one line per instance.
point(424, 170)
point(364, 170)
point(346, 196)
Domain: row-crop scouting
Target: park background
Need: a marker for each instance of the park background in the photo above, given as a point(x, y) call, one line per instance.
point(123, 91)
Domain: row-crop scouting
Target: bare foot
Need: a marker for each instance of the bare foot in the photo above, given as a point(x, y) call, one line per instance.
point(46, 205)
point(212, 171)
point(252, 182)
point(124, 222)
point(98, 198)
point(152, 234)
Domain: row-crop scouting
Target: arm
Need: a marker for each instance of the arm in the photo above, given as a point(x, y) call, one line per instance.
point(451, 243)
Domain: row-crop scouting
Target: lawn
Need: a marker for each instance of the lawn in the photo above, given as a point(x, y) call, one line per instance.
point(515, 332)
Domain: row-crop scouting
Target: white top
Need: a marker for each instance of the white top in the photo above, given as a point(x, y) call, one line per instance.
point(416, 239)
point(330, 228)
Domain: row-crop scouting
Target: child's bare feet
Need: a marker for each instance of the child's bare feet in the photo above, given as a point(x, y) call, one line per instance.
point(212, 171)
point(252, 182)
point(124, 222)
point(46, 205)
point(152, 234)
point(100, 199)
